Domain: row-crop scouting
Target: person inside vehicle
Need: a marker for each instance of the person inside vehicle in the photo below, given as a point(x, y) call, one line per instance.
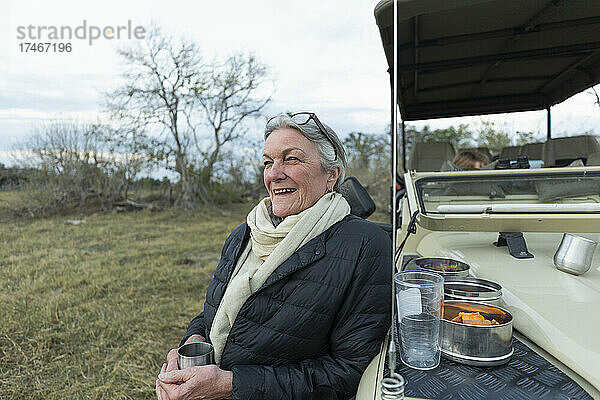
point(470, 159)
point(299, 302)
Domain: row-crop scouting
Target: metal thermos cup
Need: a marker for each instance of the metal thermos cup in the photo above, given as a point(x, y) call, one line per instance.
point(192, 354)
point(574, 254)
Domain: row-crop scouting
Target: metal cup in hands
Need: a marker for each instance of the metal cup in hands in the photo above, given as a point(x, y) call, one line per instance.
point(193, 354)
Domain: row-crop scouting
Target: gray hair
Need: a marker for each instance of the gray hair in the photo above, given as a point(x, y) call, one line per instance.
point(325, 146)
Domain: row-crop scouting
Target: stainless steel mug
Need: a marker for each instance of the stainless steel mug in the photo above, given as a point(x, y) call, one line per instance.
point(192, 354)
point(574, 254)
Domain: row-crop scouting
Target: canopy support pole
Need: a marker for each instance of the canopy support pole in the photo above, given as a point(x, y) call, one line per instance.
point(403, 147)
point(549, 126)
point(392, 131)
point(396, 379)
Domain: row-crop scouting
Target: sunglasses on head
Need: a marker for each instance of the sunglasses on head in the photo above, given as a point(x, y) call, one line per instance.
point(302, 118)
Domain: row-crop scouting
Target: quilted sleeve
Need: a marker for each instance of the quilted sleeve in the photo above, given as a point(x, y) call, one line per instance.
point(358, 330)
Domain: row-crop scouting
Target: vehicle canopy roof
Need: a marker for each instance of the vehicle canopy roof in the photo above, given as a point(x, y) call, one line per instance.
point(468, 57)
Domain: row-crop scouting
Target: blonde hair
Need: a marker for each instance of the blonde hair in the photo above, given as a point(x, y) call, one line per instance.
point(466, 159)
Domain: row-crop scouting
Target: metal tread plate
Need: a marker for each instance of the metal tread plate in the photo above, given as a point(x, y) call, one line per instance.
point(527, 376)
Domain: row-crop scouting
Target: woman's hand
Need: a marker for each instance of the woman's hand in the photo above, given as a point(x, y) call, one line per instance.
point(204, 382)
point(161, 394)
point(172, 355)
point(195, 339)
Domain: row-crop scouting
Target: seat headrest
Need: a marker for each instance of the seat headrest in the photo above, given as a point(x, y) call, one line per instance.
point(429, 157)
point(533, 151)
point(361, 203)
point(510, 152)
point(562, 151)
point(594, 158)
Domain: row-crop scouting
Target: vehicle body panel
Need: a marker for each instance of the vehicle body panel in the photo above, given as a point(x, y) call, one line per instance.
point(555, 310)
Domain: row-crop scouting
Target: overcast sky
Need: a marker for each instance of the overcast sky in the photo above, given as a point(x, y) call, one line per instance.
point(326, 56)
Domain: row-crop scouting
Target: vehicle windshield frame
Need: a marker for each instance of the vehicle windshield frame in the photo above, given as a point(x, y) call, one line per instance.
point(469, 175)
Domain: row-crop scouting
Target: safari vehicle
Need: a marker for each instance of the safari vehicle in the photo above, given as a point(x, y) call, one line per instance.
point(471, 57)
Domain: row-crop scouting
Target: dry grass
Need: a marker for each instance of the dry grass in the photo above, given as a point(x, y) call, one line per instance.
point(90, 311)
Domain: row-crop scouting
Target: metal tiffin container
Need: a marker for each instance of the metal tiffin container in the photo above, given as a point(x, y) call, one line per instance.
point(479, 345)
point(469, 288)
point(443, 266)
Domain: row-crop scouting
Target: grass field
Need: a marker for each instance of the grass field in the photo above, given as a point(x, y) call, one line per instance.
point(90, 310)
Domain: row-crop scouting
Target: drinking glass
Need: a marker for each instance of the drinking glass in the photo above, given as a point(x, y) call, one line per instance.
point(419, 298)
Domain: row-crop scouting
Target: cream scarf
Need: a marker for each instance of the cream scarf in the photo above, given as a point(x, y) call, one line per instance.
point(268, 248)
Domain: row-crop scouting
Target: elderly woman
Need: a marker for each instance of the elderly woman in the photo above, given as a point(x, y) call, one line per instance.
point(299, 303)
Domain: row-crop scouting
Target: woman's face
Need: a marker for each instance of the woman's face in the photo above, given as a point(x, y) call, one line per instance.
point(293, 174)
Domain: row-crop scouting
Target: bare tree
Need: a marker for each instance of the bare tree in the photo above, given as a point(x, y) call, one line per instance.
point(69, 167)
point(156, 94)
point(182, 109)
point(228, 100)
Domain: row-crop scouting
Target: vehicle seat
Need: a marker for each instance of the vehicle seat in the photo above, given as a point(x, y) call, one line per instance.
point(361, 203)
point(510, 152)
point(560, 152)
point(428, 157)
point(594, 159)
point(533, 151)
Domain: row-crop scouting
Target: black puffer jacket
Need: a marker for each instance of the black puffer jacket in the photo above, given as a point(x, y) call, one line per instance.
point(315, 324)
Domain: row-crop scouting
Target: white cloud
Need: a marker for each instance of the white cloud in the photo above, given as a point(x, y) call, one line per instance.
point(326, 57)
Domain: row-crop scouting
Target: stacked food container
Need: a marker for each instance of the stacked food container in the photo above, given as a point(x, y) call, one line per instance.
point(475, 330)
